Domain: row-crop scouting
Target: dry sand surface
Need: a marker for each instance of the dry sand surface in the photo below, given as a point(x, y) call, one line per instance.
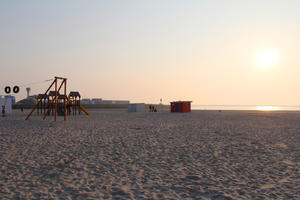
point(120, 155)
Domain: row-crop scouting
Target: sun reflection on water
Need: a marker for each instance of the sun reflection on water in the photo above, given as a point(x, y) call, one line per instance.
point(267, 108)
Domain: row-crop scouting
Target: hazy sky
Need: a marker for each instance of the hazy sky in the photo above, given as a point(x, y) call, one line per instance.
point(202, 50)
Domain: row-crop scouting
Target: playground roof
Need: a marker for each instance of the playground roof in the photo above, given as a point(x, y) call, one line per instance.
point(62, 96)
point(52, 93)
point(74, 94)
point(42, 96)
point(181, 102)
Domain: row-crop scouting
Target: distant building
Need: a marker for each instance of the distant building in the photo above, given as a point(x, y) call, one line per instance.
point(11, 98)
point(136, 107)
point(28, 92)
point(101, 101)
point(96, 100)
point(181, 106)
point(33, 96)
point(7, 103)
point(86, 101)
point(122, 102)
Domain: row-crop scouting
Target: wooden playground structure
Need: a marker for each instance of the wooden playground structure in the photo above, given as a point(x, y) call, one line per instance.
point(54, 103)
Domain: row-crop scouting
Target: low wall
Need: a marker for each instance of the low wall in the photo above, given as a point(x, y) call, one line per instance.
point(101, 106)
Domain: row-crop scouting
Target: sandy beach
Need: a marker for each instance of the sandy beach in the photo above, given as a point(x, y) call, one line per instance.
point(120, 155)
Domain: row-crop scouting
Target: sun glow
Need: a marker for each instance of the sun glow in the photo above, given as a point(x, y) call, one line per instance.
point(266, 59)
point(266, 108)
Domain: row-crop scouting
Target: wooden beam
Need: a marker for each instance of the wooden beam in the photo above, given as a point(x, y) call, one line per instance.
point(65, 101)
point(56, 77)
point(39, 101)
point(55, 100)
point(60, 86)
point(48, 110)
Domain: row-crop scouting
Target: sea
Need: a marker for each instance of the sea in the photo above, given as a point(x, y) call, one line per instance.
point(246, 107)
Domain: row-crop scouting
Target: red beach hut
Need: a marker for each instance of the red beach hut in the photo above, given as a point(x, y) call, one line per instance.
point(181, 106)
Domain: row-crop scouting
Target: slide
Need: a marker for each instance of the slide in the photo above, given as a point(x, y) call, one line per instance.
point(84, 110)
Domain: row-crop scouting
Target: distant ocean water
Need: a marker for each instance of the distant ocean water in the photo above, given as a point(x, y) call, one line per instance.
point(245, 107)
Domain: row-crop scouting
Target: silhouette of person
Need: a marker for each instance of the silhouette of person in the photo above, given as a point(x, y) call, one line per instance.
point(3, 111)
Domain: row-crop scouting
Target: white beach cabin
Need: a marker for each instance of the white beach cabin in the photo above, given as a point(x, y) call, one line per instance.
point(136, 107)
point(7, 102)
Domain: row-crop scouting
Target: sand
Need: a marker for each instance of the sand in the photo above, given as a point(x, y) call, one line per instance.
point(120, 155)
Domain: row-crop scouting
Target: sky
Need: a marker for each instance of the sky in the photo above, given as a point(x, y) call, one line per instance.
point(207, 51)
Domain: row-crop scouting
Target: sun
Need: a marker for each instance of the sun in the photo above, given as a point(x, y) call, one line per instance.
point(266, 108)
point(266, 58)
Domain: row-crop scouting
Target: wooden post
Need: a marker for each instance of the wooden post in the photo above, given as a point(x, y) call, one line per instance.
point(55, 100)
point(65, 99)
point(48, 111)
point(79, 105)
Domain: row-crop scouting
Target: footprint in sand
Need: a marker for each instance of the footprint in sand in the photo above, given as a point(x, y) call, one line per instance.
point(288, 162)
point(267, 186)
point(284, 180)
point(281, 145)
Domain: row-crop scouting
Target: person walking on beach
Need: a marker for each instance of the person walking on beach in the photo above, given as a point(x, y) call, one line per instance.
point(3, 111)
point(150, 108)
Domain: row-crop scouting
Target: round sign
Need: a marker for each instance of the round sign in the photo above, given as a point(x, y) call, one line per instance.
point(16, 89)
point(7, 89)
